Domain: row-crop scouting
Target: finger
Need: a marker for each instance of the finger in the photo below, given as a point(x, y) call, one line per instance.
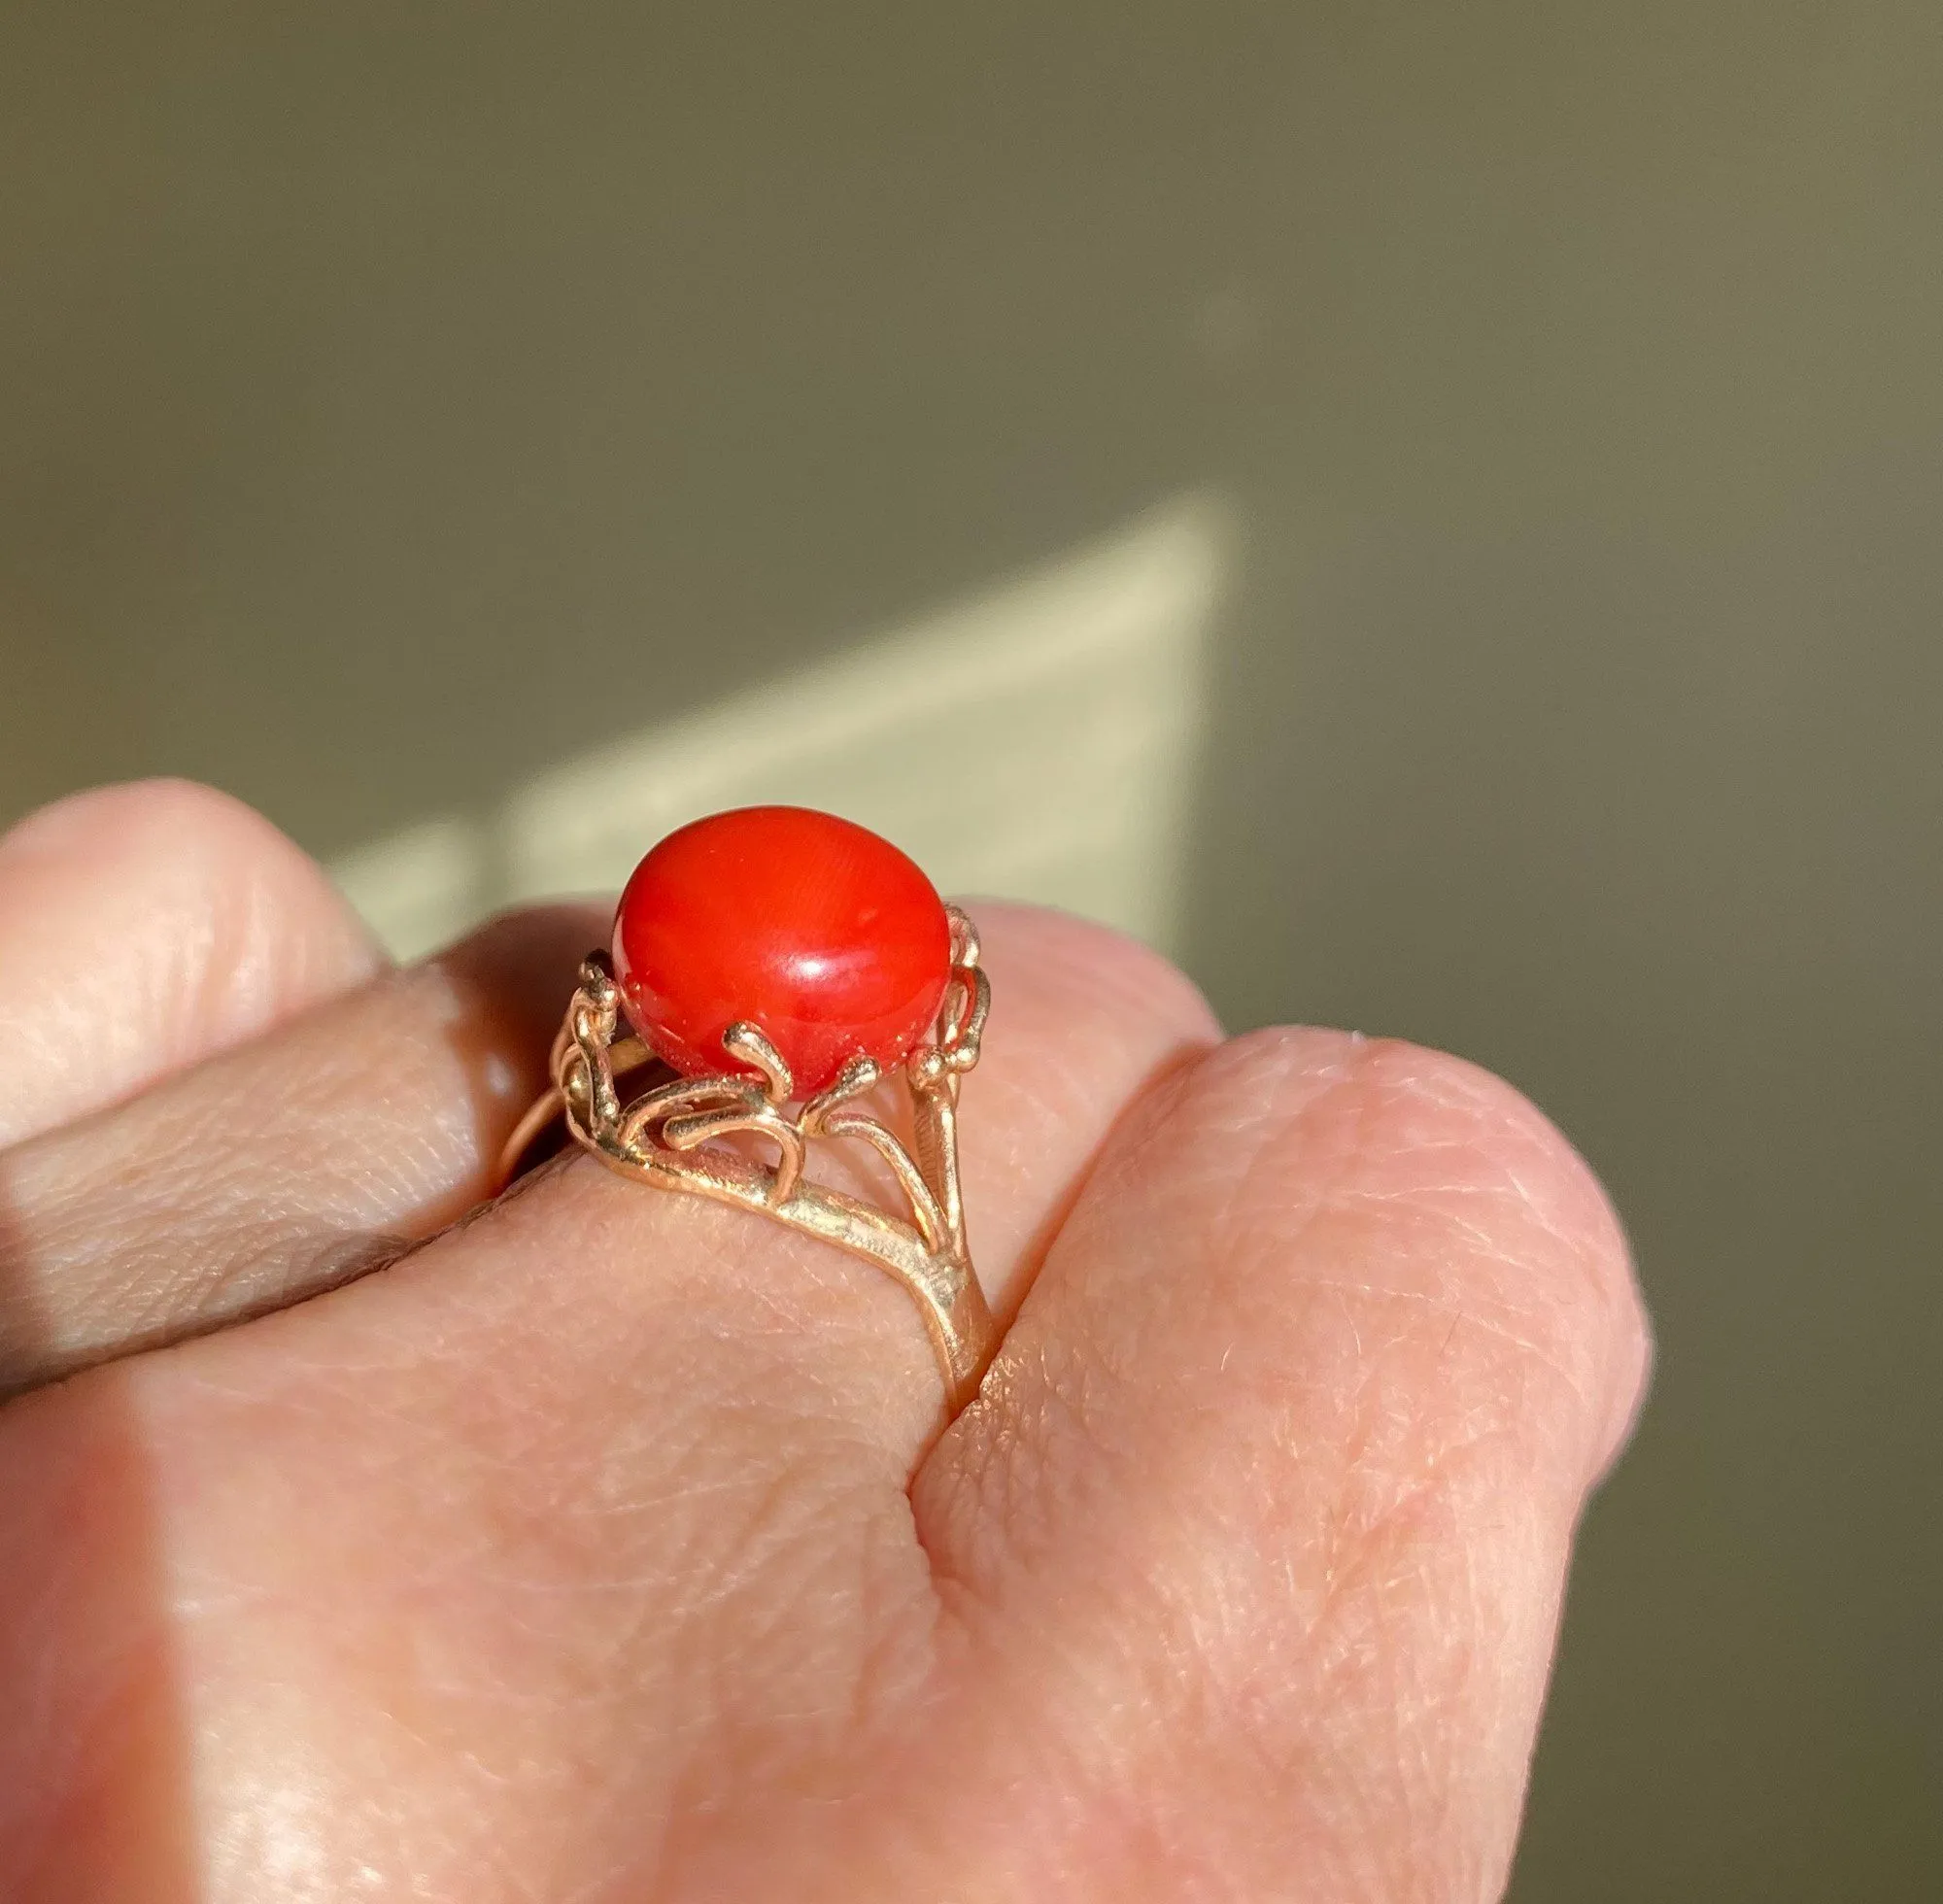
point(286, 1166)
point(310, 1157)
point(1265, 1508)
point(144, 927)
point(634, 1466)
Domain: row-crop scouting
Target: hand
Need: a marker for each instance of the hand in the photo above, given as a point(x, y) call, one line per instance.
point(601, 1543)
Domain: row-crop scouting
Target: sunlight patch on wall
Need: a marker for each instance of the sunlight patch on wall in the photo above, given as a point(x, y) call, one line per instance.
point(421, 887)
point(1039, 741)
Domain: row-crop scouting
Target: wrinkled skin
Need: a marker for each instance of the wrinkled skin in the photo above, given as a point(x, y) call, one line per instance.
point(604, 1545)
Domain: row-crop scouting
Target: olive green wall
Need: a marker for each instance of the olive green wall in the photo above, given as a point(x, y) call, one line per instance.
point(1567, 386)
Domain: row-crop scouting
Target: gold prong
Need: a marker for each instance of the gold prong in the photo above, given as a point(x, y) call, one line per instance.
point(746, 1041)
point(857, 1076)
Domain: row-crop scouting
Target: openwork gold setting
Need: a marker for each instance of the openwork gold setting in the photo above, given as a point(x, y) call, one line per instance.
point(667, 1137)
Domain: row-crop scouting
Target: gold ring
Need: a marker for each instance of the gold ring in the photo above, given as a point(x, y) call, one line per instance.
point(779, 963)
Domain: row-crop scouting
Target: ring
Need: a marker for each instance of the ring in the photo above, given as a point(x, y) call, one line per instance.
point(779, 963)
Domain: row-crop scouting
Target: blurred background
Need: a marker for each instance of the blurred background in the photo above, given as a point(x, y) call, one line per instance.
point(1431, 512)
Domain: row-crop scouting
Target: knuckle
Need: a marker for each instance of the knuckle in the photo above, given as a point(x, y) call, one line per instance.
point(167, 806)
point(1425, 1183)
point(193, 843)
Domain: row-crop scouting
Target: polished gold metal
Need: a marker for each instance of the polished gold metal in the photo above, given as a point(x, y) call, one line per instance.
point(662, 1137)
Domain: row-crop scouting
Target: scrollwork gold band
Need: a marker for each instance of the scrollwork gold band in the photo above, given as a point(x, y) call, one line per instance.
point(668, 1136)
